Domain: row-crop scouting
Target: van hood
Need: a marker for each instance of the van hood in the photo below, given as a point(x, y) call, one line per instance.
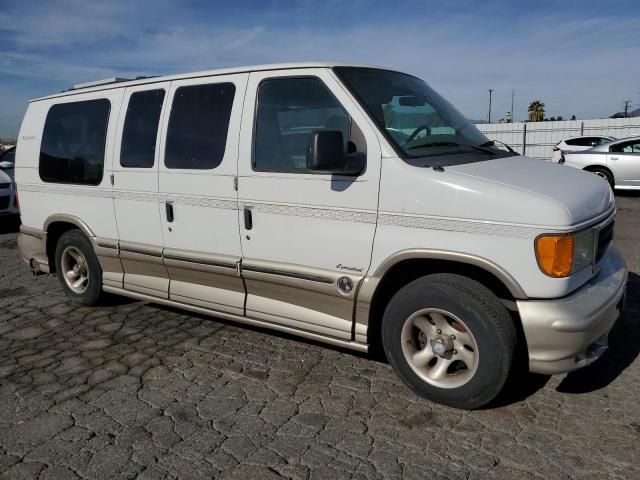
point(515, 190)
point(583, 194)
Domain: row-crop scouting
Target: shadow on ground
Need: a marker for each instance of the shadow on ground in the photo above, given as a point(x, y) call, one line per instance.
point(9, 224)
point(624, 347)
point(624, 341)
point(627, 193)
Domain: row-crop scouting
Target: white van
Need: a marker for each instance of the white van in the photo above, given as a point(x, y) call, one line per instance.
point(351, 205)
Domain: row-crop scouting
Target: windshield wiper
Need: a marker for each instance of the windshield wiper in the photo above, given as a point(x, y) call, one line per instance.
point(492, 143)
point(478, 148)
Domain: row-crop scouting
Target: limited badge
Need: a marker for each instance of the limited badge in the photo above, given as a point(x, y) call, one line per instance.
point(345, 285)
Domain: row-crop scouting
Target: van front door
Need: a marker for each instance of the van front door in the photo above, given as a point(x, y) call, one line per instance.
point(198, 195)
point(306, 237)
point(135, 190)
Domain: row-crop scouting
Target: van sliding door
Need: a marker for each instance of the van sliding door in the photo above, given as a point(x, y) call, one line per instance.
point(198, 198)
point(135, 189)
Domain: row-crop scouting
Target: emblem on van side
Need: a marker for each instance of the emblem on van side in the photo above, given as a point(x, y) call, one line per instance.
point(26, 139)
point(345, 285)
point(349, 269)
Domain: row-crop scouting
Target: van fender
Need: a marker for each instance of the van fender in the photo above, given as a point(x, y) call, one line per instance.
point(370, 283)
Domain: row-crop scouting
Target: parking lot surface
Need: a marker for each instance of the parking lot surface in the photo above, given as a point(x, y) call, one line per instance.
point(133, 390)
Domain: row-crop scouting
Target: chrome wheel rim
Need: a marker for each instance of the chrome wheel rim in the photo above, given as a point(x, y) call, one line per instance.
point(602, 175)
point(439, 348)
point(74, 270)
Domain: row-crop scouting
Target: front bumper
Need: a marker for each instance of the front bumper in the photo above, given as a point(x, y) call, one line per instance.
point(568, 333)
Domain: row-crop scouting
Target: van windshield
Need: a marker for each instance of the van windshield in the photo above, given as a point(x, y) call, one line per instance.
point(417, 121)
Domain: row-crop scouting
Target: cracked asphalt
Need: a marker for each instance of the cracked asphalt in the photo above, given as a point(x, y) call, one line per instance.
point(134, 390)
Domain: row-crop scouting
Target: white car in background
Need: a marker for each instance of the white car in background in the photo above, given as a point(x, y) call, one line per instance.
point(577, 144)
point(617, 162)
point(8, 199)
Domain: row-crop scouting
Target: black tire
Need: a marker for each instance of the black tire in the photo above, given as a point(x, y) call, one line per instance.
point(485, 317)
point(93, 292)
point(606, 174)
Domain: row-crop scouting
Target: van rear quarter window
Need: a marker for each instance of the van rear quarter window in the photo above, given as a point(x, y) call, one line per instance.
point(141, 129)
point(73, 142)
point(198, 126)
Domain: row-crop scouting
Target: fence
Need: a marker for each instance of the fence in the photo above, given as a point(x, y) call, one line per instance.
point(536, 139)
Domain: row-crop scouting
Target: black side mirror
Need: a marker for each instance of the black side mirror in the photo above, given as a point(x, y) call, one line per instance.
point(326, 154)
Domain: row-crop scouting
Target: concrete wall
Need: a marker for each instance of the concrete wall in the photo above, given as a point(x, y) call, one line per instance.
point(535, 139)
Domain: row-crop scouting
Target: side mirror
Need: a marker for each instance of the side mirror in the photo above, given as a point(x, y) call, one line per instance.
point(326, 155)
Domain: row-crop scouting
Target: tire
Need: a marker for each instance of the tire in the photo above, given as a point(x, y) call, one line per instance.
point(71, 249)
point(480, 353)
point(606, 174)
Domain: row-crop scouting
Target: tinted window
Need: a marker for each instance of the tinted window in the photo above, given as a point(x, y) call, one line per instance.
point(140, 129)
point(73, 140)
point(198, 126)
point(583, 142)
point(633, 147)
point(288, 111)
point(627, 147)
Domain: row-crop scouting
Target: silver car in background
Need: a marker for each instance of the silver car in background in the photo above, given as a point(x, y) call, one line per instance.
point(8, 193)
point(577, 144)
point(617, 162)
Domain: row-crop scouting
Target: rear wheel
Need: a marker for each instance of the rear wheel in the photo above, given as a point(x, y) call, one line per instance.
point(449, 339)
point(78, 269)
point(605, 174)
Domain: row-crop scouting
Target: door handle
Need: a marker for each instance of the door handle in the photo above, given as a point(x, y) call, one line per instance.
point(613, 158)
point(169, 209)
point(248, 219)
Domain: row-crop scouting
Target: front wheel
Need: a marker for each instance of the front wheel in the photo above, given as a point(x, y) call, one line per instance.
point(78, 268)
point(450, 339)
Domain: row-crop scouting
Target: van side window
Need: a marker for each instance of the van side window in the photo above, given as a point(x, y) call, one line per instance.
point(289, 110)
point(141, 129)
point(73, 142)
point(198, 126)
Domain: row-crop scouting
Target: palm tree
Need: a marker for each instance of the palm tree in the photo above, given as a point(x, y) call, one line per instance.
point(536, 111)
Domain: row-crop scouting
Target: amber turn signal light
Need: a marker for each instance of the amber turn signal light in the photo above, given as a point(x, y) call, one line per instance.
point(555, 254)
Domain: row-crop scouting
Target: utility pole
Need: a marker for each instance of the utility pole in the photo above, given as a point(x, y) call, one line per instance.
point(627, 104)
point(490, 94)
point(513, 93)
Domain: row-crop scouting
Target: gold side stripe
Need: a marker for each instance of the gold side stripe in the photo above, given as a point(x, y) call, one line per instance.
point(463, 226)
point(312, 212)
point(394, 219)
point(207, 202)
point(283, 273)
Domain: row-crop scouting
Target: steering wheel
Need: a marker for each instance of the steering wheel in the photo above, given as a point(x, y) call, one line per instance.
point(415, 133)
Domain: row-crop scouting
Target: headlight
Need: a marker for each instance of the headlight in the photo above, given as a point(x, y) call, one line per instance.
point(562, 255)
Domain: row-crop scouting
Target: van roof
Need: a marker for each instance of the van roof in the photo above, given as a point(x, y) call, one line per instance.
point(112, 83)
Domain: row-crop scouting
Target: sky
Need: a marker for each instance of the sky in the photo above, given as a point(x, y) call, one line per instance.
point(578, 57)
